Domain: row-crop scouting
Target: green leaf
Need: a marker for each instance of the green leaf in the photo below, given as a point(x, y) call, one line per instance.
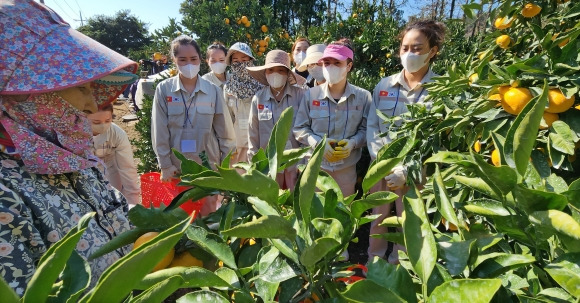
point(359, 292)
point(559, 221)
point(253, 183)
point(392, 277)
point(377, 171)
point(262, 207)
point(566, 271)
point(327, 227)
point(486, 207)
point(53, 262)
point(562, 138)
point(193, 277)
point(193, 194)
point(202, 296)
point(306, 185)
point(188, 166)
point(557, 184)
point(393, 221)
point(501, 263)
point(119, 241)
point(285, 247)
point(466, 290)
point(358, 207)
point(212, 244)
point(450, 158)
point(535, 200)
point(479, 185)
point(264, 227)
point(278, 139)
point(8, 295)
point(266, 290)
point(457, 255)
point(419, 238)
point(573, 192)
point(442, 199)
point(318, 250)
point(521, 137)
point(160, 291)
point(504, 178)
point(75, 277)
point(278, 271)
point(154, 218)
point(134, 266)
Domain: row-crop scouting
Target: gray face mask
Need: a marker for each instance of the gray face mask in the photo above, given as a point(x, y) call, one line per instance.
point(316, 73)
point(100, 128)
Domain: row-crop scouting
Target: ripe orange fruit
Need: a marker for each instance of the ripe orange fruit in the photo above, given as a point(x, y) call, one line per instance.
point(264, 29)
point(473, 78)
point(477, 146)
point(563, 42)
point(355, 15)
point(267, 39)
point(286, 35)
point(388, 55)
point(248, 36)
point(244, 19)
point(340, 24)
point(530, 10)
point(262, 43)
point(558, 102)
point(515, 99)
point(260, 54)
point(503, 89)
point(262, 49)
point(239, 21)
point(503, 22)
point(548, 119)
point(494, 97)
point(227, 21)
point(495, 158)
point(247, 24)
point(503, 41)
point(369, 21)
point(185, 259)
point(165, 261)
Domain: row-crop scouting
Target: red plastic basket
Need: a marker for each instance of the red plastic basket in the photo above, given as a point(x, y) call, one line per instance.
point(154, 192)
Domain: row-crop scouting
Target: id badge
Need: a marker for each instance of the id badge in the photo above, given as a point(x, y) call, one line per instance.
point(188, 146)
point(243, 123)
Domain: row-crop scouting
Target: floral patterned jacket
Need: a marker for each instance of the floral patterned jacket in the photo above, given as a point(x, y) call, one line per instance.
point(38, 210)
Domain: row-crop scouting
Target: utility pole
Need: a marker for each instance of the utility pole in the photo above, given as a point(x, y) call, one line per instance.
point(81, 20)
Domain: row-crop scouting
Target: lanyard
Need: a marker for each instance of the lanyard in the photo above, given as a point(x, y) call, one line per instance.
point(186, 111)
point(347, 115)
point(272, 110)
point(397, 101)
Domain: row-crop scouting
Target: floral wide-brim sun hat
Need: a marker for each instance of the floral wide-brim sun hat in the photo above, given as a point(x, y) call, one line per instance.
point(41, 53)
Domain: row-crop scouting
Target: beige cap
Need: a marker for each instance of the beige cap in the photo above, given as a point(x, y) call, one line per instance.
point(275, 58)
point(313, 54)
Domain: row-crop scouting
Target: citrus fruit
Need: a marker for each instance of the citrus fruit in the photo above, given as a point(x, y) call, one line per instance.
point(530, 10)
point(548, 119)
point(185, 259)
point(341, 24)
point(355, 15)
point(244, 19)
point(260, 54)
point(503, 89)
point(503, 41)
point(558, 103)
point(267, 39)
point(515, 99)
point(247, 24)
point(248, 36)
point(239, 21)
point(262, 43)
point(388, 55)
point(262, 49)
point(495, 97)
point(563, 42)
point(495, 159)
point(227, 21)
point(477, 146)
point(503, 22)
point(165, 261)
point(369, 21)
point(264, 29)
point(473, 78)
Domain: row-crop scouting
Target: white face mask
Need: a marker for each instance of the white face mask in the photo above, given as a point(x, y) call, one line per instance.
point(316, 73)
point(100, 128)
point(276, 80)
point(412, 62)
point(189, 71)
point(218, 67)
point(298, 58)
point(334, 74)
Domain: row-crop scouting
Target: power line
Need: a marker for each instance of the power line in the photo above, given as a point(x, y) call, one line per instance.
point(64, 11)
point(72, 9)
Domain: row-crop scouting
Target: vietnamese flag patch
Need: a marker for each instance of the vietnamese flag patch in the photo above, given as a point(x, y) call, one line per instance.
point(260, 106)
point(383, 93)
point(315, 103)
point(169, 99)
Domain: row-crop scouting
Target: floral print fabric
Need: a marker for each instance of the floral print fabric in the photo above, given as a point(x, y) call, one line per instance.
point(241, 84)
point(38, 210)
point(50, 135)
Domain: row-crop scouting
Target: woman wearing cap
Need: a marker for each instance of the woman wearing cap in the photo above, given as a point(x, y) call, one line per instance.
point(311, 64)
point(420, 42)
point(298, 52)
point(111, 144)
point(338, 110)
point(190, 115)
point(216, 60)
point(48, 175)
point(238, 93)
point(269, 103)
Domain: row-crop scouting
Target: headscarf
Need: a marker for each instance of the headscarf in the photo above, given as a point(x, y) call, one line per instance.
point(241, 84)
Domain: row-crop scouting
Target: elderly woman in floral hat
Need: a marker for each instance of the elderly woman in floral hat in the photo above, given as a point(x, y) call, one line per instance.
point(269, 103)
point(48, 175)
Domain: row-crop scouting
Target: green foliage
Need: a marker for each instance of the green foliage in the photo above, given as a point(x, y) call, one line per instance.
point(122, 33)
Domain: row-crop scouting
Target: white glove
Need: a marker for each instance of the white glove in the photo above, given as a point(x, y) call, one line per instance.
point(343, 148)
point(397, 178)
point(329, 150)
point(168, 173)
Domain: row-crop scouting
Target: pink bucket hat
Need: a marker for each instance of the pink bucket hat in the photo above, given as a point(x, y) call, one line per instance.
point(41, 53)
point(338, 52)
point(275, 58)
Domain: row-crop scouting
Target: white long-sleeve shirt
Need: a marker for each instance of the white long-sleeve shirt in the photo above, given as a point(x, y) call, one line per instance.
point(114, 148)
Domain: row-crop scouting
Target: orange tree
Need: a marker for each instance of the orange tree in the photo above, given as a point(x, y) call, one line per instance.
point(500, 197)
